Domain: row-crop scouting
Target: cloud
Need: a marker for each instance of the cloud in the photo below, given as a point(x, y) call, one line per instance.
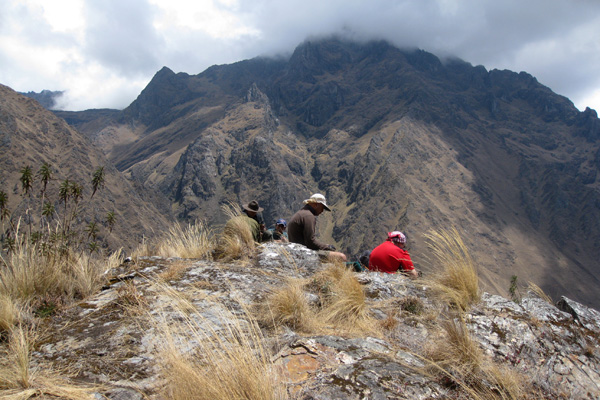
point(104, 52)
point(120, 36)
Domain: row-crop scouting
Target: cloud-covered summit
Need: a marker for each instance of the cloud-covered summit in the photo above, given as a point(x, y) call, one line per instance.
point(104, 53)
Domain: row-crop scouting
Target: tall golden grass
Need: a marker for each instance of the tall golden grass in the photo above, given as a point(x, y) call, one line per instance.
point(455, 281)
point(11, 312)
point(192, 241)
point(458, 358)
point(288, 306)
point(344, 300)
point(538, 291)
point(341, 308)
point(20, 379)
point(27, 273)
point(231, 360)
point(32, 276)
point(236, 241)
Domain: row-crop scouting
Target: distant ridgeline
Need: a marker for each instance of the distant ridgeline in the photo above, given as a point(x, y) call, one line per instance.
point(47, 98)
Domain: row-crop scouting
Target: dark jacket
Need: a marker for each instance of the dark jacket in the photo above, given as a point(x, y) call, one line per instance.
point(302, 227)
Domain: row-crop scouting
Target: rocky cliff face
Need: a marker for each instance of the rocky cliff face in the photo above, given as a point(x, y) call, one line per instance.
point(396, 139)
point(115, 338)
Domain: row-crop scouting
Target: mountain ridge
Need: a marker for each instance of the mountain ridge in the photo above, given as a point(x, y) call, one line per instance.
point(396, 139)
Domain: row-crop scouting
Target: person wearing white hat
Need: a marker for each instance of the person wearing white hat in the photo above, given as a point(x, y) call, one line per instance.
point(391, 257)
point(302, 227)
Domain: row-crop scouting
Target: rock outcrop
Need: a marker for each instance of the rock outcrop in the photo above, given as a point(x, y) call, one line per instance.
point(114, 338)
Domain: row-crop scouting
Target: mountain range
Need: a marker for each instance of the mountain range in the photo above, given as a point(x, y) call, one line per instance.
point(396, 139)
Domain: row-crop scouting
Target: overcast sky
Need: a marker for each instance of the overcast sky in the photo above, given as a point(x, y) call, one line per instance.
point(104, 52)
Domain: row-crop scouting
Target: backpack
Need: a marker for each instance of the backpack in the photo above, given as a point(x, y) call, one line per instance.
point(362, 264)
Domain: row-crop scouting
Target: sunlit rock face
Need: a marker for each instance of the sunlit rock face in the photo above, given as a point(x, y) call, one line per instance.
point(115, 337)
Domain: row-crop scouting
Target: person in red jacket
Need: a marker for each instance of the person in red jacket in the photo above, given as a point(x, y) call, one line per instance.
point(391, 257)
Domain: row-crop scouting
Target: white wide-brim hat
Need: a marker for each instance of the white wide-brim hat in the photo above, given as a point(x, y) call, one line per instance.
point(318, 198)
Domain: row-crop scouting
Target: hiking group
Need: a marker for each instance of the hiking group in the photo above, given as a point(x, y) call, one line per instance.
point(390, 256)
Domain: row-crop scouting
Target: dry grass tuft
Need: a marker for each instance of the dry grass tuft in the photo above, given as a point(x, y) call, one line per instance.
point(412, 305)
point(505, 383)
point(288, 306)
point(30, 276)
point(88, 273)
point(173, 271)
point(193, 241)
point(459, 360)
point(20, 380)
point(458, 350)
point(343, 301)
point(130, 299)
point(237, 241)
point(341, 307)
point(457, 283)
point(230, 360)
point(144, 249)
point(532, 287)
point(17, 373)
point(11, 312)
point(390, 322)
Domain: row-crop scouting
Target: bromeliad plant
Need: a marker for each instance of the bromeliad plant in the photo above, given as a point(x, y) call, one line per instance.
point(48, 229)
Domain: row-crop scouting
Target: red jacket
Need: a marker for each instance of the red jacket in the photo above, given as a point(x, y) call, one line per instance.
point(387, 257)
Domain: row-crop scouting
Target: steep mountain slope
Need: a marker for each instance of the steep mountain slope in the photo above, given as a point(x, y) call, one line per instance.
point(30, 136)
point(396, 139)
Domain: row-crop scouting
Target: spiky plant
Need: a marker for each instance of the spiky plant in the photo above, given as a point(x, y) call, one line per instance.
point(110, 220)
point(97, 180)
point(45, 175)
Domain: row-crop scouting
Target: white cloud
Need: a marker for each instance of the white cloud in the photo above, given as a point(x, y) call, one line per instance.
point(104, 52)
point(217, 19)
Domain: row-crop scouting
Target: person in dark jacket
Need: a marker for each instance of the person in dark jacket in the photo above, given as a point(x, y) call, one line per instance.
point(302, 228)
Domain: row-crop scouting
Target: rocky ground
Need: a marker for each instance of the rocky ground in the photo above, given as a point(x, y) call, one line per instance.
point(113, 339)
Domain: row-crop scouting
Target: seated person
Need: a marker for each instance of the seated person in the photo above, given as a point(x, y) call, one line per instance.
point(250, 215)
point(391, 257)
point(302, 228)
point(278, 233)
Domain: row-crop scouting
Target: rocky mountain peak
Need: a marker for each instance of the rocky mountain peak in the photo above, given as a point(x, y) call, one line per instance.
point(47, 98)
point(396, 139)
